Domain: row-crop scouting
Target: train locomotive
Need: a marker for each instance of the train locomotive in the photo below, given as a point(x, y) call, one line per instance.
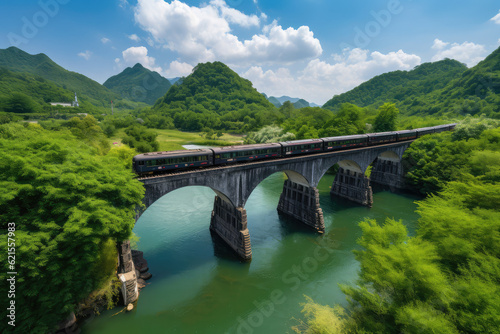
point(159, 162)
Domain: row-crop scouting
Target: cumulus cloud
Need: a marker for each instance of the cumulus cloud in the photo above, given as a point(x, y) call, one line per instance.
point(439, 44)
point(105, 40)
point(235, 16)
point(85, 55)
point(139, 54)
point(320, 80)
point(134, 37)
point(178, 69)
point(496, 18)
point(204, 34)
point(467, 52)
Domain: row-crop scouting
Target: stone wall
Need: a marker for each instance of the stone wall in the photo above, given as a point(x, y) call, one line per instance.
point(230, 223)
point(388, 173)
point(354, 186)
point(126, 273)
point(302, 203)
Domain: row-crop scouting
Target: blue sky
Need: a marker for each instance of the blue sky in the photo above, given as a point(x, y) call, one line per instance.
point(311, 49)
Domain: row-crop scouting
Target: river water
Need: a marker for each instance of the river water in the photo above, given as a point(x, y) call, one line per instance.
point(198, 286)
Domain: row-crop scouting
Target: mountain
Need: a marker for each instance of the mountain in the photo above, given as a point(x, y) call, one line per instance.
point(301, 103)
point(398, 85)
point(139, 84)
point(34, 89)
point(274, 101)
point(173, 81)
point(216, 97)
point(282, 99)
point(88, 90)
point(297, 102)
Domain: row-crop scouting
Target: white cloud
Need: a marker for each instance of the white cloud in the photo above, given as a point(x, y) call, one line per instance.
point(467, 52)
point(439, 44)
point(134, 37)
point(123, 3)
point(496, 18)
point(139, 54)
point(204, 34)
point(105, 40)
point(235, 16)
point(320, 81)
point(178, 69)
point(85, 55)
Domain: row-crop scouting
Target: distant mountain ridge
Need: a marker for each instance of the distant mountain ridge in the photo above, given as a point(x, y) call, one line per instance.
point(442, 88)
point(395, 86)
point(139, 84)
point(16, 60)
point(297, 102)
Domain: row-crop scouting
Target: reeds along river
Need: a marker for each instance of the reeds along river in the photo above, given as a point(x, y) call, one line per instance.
point(198, 286)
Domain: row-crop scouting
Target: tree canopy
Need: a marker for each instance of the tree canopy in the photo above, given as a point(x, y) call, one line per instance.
point(69, 204)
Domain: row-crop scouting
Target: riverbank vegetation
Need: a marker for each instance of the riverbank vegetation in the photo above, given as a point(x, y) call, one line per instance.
point(446, 278)
point(69, 200)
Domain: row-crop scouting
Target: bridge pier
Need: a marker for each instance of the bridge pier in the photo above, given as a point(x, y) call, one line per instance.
point(302, 203)
point(352, 185)
point(230, 223)
point(126, 273)
point(388, 172)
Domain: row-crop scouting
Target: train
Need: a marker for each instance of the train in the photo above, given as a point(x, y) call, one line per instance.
point(161, 162)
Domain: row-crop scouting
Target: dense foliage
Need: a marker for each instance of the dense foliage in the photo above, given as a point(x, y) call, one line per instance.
point(386, 118)
point(70, 206)
point(215, 97)
point(141, 138)
point(446, 279)
point(269, 134)
point(434, 160)
point(138, 84)
point(315, 122)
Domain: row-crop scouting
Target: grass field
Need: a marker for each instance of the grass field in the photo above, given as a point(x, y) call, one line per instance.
point(174, 139)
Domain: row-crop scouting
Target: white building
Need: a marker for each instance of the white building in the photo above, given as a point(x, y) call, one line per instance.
point(65, 104)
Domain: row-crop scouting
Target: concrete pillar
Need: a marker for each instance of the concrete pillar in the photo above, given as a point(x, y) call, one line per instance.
point(388, 172)
point(126, 273)
point(230, 223)
point(302, 203)
point(354, 186)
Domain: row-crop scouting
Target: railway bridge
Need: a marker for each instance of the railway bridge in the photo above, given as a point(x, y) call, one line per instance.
point(233, 185)
point(299, 199)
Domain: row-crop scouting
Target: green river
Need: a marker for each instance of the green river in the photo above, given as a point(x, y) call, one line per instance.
point(198, 286)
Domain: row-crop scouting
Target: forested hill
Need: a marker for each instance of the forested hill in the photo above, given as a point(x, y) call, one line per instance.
point(24, 92)
point(139, 84)
point(476, 91)
point(442, 88)
point(17, 60)
point(215, 97)
point(399, 85)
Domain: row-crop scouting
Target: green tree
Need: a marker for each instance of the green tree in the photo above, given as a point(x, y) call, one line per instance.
point(141, 138)
point(386, 118)
point(68, 205)
point(21, 103)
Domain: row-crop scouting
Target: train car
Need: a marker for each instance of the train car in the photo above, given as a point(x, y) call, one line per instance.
point(381, 138)
point(154, 162)
point(406, 135)
point(452, 126)
point(232, 154)
point(425, 131)
point(304, 146)
point(445, 127)
point(344, 142)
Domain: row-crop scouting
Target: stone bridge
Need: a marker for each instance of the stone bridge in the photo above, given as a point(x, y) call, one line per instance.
point(233, 185)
